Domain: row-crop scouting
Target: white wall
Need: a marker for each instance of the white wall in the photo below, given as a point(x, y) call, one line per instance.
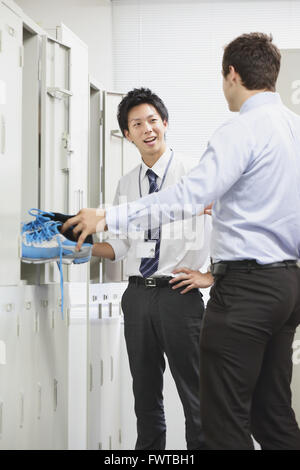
point(90, 20)
point(175, 47)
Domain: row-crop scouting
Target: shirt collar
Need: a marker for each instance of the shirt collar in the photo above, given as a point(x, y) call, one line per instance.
point(262, 98)
point(159, 167)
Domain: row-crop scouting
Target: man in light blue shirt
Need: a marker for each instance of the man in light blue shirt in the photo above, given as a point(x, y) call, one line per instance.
point(251, 169)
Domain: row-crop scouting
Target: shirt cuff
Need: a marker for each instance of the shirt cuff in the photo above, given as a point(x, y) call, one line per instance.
point(120, 248)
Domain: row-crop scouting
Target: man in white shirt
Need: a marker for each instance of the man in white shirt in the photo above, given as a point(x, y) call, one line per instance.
point(160, 318)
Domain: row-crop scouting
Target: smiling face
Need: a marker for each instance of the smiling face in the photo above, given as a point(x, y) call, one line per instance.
point(146, 130)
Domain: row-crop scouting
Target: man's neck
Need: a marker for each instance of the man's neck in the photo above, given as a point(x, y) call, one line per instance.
point(246, 94)
point(150, 160)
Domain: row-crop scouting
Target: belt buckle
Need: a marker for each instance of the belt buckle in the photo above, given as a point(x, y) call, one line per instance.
point(219, 269)
point(150, 282)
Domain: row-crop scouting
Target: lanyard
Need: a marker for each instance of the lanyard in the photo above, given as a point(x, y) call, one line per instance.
point(164, 177)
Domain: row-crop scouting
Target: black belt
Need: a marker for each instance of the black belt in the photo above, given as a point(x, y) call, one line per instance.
point(247, 265)
point(150, 281)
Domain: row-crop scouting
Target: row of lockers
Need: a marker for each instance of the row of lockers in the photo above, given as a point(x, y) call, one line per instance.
point(60, 377)
point(60, 150)
point(60, 146)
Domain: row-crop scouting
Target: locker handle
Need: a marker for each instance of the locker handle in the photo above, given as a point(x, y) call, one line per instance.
point(59, 93)
point(116, 133)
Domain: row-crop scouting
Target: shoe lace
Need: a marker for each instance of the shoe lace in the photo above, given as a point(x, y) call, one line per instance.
point(43, 233)
point(40, 218)
point(46, 233)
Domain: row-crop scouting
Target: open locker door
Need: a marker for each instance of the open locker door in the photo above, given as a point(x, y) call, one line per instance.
point(77, 135)
point(55, 129)
point(11, 61)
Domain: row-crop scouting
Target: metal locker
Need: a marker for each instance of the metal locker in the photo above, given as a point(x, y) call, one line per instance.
point(76, 142)
point(57, 326)
point(104, 351)
point(95, 197)
point(106, 399)
point(96, 379)
point(10, 368)
point(77, 365)
point(55, 97)
point(10, 143)
point(26, 390)
point(30, 127)
point(30, 136)
point(113, 405)
point(45, 372)
point(113, 146)
point(55, 127)
point(112, 168)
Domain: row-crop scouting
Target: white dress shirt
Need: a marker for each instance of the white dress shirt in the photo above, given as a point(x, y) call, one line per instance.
point(251, 169)
point(176, 250)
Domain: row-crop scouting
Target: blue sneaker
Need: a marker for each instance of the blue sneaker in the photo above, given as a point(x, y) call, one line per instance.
point(40, 218)
point(47, 244)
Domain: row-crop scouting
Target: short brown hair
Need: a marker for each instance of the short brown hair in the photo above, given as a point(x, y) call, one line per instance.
point(255, 58)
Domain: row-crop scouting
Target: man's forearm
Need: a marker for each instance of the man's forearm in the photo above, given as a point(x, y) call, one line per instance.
point(103, 250)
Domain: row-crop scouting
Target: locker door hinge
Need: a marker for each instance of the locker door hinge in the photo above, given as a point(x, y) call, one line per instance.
point(21, 56)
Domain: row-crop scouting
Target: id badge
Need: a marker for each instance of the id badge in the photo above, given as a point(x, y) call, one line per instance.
point(145, 249)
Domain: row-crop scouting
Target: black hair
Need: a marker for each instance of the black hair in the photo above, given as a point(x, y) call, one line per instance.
point(134, 98)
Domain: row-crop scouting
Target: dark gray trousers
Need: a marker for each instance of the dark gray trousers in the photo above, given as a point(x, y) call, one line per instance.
point(246, 360)
point(161, 321)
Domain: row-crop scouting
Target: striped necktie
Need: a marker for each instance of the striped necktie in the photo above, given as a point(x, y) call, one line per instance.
point(148, 266)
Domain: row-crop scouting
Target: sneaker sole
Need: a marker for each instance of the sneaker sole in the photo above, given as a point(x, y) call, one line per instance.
point(56, 260)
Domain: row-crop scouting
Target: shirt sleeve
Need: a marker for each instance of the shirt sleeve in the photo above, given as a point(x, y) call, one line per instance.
point(222, 164)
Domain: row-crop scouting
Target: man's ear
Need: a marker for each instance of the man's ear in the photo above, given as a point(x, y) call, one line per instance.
point(233, 74)
point(165, 123)
point(127, 135)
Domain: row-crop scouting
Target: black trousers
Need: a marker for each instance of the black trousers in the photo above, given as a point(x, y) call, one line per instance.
point(160, 321)
point(246, 360)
